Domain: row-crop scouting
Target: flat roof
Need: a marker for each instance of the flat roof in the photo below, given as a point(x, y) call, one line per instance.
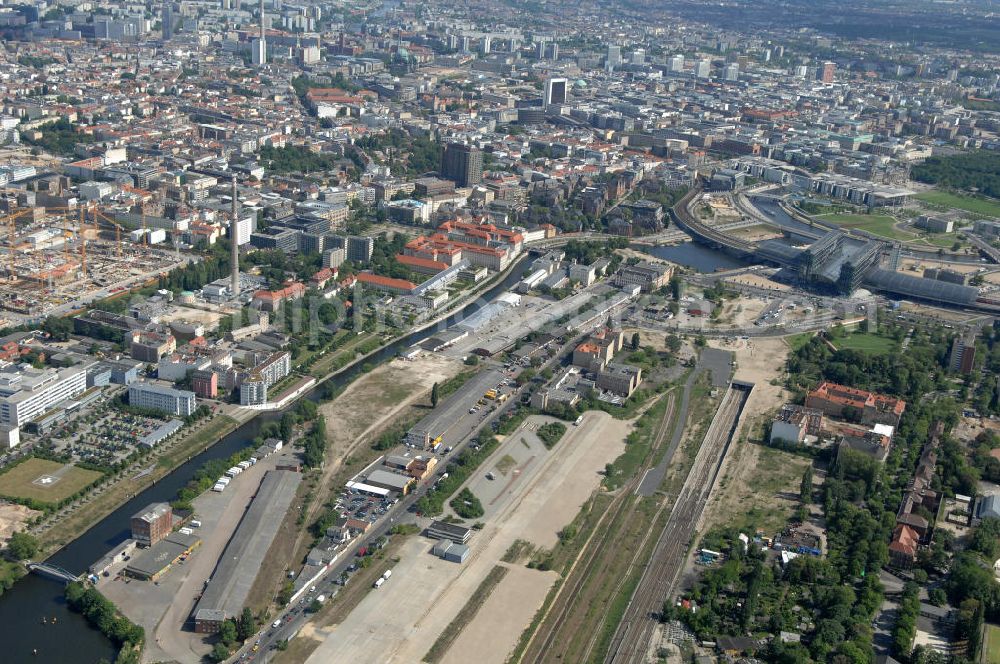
point(155, 558)
point(240, 561)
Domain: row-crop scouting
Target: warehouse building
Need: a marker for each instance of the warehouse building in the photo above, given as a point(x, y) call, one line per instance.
point(448, 550)
point(227, 591)
point(152, 524)
point(157, 560)
point(443, 530)
point(391, 481)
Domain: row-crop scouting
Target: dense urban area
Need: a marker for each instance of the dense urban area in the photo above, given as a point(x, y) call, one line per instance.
point(531, 331)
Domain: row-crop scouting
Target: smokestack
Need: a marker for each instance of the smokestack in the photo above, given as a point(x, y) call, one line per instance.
point(234, 248)
point(261, 20)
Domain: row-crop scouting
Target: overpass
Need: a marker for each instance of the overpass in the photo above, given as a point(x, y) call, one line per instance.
point(984, 247)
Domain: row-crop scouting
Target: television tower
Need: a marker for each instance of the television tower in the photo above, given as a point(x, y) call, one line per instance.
point(234, 247)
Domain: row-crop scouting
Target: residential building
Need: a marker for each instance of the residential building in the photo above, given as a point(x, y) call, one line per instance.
point(151, 346)
point(868, 407)
point(793, 423)
point(167, 399)
point(205, 384)
point(619, 379)
point(963, 353)
point(648, 276)
point(462, 163)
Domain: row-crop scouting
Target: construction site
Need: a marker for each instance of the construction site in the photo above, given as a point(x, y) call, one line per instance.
point(57, 259)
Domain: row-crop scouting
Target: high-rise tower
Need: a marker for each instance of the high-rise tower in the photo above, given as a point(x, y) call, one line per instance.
point(234, 244)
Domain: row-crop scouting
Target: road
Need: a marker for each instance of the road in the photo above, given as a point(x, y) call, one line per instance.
point(458, 436)
point(631, 642)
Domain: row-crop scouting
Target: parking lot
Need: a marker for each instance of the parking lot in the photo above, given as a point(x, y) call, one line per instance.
point(105, 436)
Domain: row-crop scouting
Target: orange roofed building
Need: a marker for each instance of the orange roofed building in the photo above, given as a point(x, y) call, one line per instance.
point(266, 300)
point(834, 399)
point(386, 284)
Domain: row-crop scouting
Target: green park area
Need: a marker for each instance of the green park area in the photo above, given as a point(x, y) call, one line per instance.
point(44, 481)
point(877, 224)
point(944, 199)
point(991, 646)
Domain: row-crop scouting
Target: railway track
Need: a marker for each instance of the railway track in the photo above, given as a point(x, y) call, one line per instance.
point(541, 643)
point(632, 638)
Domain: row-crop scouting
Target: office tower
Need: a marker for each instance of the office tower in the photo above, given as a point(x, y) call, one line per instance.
point(779, 51)
point(515, 46)
point(767, 55)
point(677, 63)
point(801, 71)
point(234, 248)
point(614, 56)
point(462, 163)
point(465, 44)
point(167, 22)
point(540, 50)
point(453, 42)
point(554, 51)
point(731, 72)
point(359, 248)
point(555, 91)
point(826, 72)
point(639, 56)
point(703, 69)
point(486, 44)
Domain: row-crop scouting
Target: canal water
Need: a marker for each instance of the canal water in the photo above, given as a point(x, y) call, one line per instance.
point(696, 257)
point(69, 638)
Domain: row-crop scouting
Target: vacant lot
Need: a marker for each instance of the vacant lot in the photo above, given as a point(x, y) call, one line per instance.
point(968, 203)
point(46, 481)
point(878, 224)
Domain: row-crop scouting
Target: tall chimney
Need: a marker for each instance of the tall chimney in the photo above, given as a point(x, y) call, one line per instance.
point(234, 248)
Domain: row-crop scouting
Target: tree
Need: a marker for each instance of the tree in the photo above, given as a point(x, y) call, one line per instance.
point(673, 343)
point(434, 395)
point(22, 546)
point(806, 486)
point(635, 341)
point(245, 624)
point(220, 653)
point(227, 633)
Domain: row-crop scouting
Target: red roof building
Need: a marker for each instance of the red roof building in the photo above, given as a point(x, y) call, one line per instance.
point(834, 400)
point(386, 284)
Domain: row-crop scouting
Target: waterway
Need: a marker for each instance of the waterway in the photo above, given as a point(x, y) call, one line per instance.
point(70, 638)
point(697, 257)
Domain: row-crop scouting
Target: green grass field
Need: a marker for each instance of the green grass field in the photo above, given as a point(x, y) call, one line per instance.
point(991, 645)
point(868, 343)
point(968, 203)
point(797, 341)
point(19, 481)
point(877, 224)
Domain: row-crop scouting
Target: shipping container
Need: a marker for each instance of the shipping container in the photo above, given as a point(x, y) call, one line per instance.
point(220, 487)
point(387, 574)
point(379, 581)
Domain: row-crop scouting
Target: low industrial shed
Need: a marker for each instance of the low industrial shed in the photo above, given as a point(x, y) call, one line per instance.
point(157, 559)
point(453, 553)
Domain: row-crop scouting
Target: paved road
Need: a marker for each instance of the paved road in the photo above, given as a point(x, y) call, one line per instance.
point(719, 363)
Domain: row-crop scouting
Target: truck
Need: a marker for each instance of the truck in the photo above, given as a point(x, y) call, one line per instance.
point(321, 599)
point(437, 448)
point(491, 394)
point(387, 574)
point(276, 623)
point(378, 582)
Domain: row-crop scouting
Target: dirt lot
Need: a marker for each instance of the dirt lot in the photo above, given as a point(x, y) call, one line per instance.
point(912, 265)
point(11, 518)
point(396, 624)
point(970, 427)
point(757, 280)
point(756, 481)
point(371, 401)
point(504, 620)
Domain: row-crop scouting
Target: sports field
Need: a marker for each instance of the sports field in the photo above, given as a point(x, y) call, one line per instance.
point(981, 206)
point(45, 481)
point(868, 343)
